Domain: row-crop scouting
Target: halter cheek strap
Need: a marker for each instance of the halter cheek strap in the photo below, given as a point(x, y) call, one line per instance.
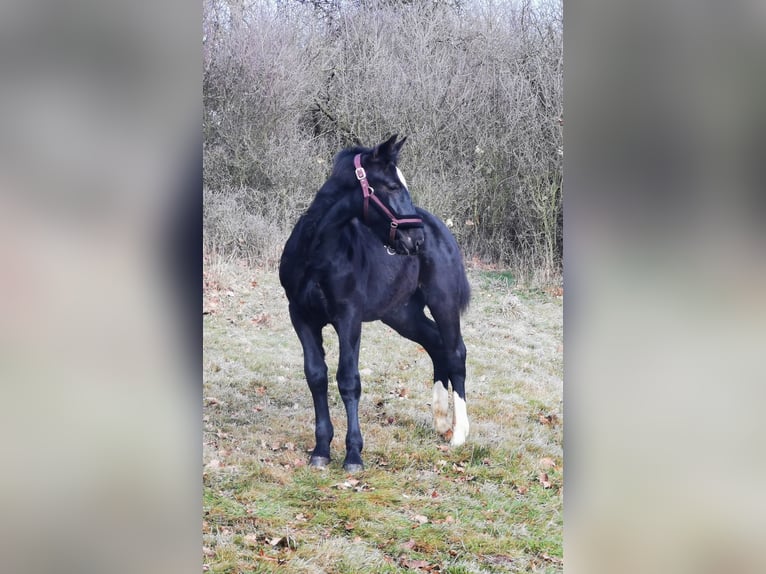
point(369, 193)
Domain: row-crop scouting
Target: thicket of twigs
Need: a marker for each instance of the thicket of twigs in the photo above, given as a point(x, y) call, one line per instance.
point(476, 85)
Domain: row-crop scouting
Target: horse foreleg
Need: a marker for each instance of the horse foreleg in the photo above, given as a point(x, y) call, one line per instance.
point(315, 369)
point(350, 387)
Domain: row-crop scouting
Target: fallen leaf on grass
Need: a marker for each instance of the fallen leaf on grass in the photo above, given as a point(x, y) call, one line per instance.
point(409, 545)
point(553, 559)
point(415, 564)
point(353, 483)
point(548, 420)
point(447, 520)
point(262, 319)
point(251, 540)
point(443, 447)
point(212, 401)
point(544, 480)
point(448, 435)
point(522, 489)
point(547, 462)
point(420, 519)
point(282, 542)
point(498, 559)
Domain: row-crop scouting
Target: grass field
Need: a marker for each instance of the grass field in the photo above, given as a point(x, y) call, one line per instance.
point(491, 505)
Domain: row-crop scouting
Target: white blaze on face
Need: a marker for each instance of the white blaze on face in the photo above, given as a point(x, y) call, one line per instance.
point(401, 178)
point(440, 407)
point(460, 429)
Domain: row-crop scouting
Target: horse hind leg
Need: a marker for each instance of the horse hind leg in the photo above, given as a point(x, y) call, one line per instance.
point(413, 324)
point(454, 353)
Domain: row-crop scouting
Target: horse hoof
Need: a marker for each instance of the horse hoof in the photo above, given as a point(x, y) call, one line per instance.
point(319, 461)
point(353, 467)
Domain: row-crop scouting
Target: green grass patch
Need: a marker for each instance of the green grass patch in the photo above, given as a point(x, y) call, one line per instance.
point(480, 507)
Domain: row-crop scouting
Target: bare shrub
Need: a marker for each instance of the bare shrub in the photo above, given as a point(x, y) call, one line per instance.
point(233, 228)
point(477, 85)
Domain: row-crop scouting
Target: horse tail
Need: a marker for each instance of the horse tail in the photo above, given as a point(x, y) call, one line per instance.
point(463, 289)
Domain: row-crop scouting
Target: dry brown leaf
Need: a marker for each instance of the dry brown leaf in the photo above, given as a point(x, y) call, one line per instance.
point(553, 559)
point(409, 545)
point(548, 420)
point(522, 489)
point(448, 435)
point(420, 519)
point(414, 564)
point(544, 480)
point(547, 462)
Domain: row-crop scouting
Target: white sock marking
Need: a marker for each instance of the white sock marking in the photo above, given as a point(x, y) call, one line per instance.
point(440, 407)
point(460, 429)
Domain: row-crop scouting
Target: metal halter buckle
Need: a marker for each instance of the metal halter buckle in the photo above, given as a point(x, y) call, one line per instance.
point(360, 173)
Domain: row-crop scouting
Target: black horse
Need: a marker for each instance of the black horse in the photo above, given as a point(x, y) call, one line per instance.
point(363, 252)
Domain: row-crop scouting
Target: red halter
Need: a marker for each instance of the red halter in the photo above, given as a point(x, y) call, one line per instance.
point(369, 193)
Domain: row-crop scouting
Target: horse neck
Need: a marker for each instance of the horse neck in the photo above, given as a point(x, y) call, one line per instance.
point(330, 211)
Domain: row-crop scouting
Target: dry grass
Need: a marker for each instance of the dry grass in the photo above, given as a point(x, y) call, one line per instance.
point(420, 504)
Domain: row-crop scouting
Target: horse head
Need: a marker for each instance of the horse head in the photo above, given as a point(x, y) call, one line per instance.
point(387, 207)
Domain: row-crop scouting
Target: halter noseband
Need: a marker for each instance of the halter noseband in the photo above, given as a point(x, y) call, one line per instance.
point(369, 193)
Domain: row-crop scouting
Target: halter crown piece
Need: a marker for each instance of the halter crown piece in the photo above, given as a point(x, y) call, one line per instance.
point(369, 193)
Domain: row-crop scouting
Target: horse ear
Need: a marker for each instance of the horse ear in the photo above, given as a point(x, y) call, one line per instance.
point(398, 146)
point(387, 149)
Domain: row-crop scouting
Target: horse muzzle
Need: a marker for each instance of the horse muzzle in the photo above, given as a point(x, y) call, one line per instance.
point(409, 241)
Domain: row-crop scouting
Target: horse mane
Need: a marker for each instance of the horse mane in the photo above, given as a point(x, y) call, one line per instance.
point(342, 169)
